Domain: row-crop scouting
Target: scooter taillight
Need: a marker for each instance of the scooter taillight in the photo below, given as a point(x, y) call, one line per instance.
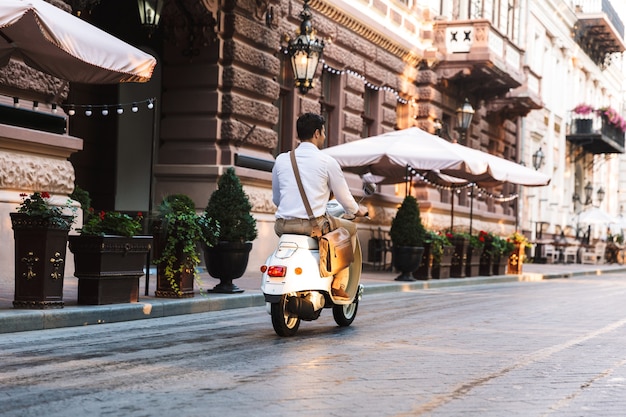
point(277, 271)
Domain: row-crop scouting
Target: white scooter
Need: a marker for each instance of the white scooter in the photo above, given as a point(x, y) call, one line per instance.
point(293, 288)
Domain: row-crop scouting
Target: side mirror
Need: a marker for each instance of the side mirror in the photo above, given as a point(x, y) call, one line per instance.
point(369, 188)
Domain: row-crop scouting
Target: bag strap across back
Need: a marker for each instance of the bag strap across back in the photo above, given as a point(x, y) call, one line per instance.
point(316, 231)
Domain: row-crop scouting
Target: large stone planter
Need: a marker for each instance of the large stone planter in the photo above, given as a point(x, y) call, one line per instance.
point(424, 271)
point(499, 264)
point(472, 262)
point(182, 284)
point(457, 269)
point(516, 260)
point(487, 260)
point(108, 267)
point(406, 259)
point(227, 261)
point(40, 250)
point(442, 270)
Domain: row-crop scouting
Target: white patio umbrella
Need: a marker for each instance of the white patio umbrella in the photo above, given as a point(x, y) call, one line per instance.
point(387, 156)
point(595, 216)
point(51, 40)
point(501, 171)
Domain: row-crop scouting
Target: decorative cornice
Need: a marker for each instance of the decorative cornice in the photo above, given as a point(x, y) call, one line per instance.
point(349, 22)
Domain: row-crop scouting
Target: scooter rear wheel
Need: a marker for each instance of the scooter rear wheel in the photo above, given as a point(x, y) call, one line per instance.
point(285, 323)
point(345, 314)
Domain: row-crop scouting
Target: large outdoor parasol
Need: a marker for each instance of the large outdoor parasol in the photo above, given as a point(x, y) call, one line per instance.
point(51, 40)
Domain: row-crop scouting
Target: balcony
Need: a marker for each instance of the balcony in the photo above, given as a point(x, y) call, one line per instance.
point(477, 58)
point(599, 31)
point(596, 135)
point(519, 101)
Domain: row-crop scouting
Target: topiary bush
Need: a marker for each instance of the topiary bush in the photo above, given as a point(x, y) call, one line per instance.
point(230, 207)
point(406, 227)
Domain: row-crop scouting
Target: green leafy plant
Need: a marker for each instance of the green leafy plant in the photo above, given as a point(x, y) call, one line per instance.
point(111, 223)
point(502, 246)
point(406, 227)
point(38, 204)
point(182, 229)
point(82, 196)
point(437, 241)
point(230, 207)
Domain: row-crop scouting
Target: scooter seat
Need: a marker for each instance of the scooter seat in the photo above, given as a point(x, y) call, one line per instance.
point(301, 241)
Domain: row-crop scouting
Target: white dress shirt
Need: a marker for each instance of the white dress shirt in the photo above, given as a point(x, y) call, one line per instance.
point(320, 174)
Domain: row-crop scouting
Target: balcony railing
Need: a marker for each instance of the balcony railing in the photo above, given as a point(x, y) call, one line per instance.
point(596, 135)
point(599, 30)
point(478, 56)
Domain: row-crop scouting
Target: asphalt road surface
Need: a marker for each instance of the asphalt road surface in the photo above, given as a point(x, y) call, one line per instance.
point(548, 348)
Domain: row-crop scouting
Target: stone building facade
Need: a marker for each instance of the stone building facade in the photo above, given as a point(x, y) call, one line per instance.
point(224, 96)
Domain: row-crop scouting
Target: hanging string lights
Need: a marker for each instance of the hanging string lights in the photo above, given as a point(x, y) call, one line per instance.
point(367, 83)
point(499, 198)
point(105, 109)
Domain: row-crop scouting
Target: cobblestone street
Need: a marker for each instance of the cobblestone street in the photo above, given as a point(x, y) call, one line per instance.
point(538, 348)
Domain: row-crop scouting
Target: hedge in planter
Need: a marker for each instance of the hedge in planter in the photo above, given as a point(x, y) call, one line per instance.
point(407, 236)
point(230, 207)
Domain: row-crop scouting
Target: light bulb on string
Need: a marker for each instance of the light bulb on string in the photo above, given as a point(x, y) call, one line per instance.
point(150, 104)
point(71, 111)
point(120, 110)
point(134, 108)
point(88, 112)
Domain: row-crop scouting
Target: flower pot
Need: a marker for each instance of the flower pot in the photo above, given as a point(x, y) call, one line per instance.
point(227, 261)
point(406, 259)
point(108, 267)
point(515, 260)
point(583, 126)
point(424, 271)
point(486, 261)
point(472, 262)
point(40, 249)
point(457, 269)
point(181, 284)
point(441, 270)
point(499, 264)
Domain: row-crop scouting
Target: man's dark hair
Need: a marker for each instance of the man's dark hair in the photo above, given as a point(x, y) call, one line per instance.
point(307, 124)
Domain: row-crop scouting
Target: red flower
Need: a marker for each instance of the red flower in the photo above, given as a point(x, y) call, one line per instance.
point(45, 194)
point(101, 215)
point(23, 195)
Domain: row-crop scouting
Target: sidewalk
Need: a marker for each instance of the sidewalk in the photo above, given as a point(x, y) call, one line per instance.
point(16, 320)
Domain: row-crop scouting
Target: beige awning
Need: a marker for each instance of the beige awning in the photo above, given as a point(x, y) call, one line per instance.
point(51, 40)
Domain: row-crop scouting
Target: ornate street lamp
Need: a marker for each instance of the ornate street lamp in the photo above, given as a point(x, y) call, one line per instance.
point(538, 158)
point(464, 116)
point(601, 194)
point(305, 52)
point(150, 13)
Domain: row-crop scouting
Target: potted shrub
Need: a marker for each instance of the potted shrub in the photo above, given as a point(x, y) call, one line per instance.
point(230, 207)
point(40, 229)
point(488, 254)
point(474, 252)
point(516, 258)
point(109, 257)
point(407, 235)
point(460, 241)
point(502, 249)
point(434, 244)
point(583, 121)
point(177, 230)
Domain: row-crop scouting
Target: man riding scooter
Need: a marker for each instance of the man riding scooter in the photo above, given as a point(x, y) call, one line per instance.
point(321, 175)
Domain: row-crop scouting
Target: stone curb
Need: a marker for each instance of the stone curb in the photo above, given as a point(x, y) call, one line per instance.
point(72, 316)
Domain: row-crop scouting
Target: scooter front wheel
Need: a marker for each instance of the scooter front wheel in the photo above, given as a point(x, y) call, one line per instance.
point(285, 323)
point(345, 314)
